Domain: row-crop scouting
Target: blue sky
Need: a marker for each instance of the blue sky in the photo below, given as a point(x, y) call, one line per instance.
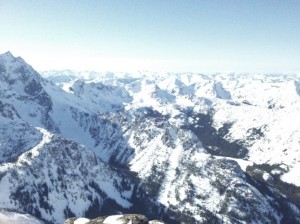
point(169, 35)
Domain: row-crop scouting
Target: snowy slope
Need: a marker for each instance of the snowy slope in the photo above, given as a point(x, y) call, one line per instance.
point(58, 178)
point(43, 173)
point(49, 178)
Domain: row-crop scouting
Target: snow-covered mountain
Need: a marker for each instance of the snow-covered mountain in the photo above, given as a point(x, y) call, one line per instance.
point(179, 147)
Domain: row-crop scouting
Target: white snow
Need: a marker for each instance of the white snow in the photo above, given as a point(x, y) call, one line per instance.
point(165, 195)
point(113, 219)
point(35, 150)
point(7, 217)
point(5, 185)
point(293, 176)
point(242, 162)
point(81, 221)
point(267, 177)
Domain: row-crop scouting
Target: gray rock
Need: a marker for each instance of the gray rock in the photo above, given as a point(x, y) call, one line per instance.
point(129, 218)
point(97, 220)
point(124, 219)
point(70, 220)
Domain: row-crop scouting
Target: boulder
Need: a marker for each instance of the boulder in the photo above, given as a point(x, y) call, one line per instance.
point(114, 219)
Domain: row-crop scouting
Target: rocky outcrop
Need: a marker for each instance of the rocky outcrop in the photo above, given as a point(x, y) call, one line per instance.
point(115, 219)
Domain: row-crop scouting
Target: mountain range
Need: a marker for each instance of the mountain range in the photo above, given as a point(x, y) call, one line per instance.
point(182, 148)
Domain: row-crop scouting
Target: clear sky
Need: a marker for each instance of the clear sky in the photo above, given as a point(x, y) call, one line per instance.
point(170, 35)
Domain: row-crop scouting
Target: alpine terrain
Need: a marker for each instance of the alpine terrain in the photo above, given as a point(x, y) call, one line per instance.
point(182, 148)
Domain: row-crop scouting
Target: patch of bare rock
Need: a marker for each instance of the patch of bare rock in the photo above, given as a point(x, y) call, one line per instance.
point(114, 219)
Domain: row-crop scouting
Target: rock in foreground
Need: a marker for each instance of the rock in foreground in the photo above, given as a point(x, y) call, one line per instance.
point(114, 219)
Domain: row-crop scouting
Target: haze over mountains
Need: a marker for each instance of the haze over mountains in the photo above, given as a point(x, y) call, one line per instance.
point(186, 147)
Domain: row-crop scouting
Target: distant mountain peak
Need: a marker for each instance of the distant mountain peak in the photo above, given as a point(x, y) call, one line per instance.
point(7, 56)
point(14, 64)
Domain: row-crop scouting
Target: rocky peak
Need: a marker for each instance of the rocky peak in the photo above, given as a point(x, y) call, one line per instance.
point(15, 68)
point(7, 55)
point(22, 86)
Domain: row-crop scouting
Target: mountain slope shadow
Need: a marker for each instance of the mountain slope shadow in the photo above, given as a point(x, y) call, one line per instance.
point(213, 140)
